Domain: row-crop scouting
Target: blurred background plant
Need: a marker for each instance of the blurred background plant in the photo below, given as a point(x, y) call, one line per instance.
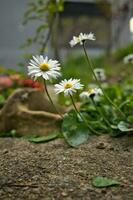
point(45, 12)
point(115, 68)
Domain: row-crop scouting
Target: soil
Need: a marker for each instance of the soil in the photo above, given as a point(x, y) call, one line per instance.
point(55, 171)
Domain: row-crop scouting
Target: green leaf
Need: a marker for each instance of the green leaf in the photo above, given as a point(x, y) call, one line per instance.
point(42, 27)
point(74, 131)
point(39, 139)
point(130, 118)
point(124, 103)
point(2, 99)
point(77, 136)
point(100, 182)
point(124, 127)
point(60, 5)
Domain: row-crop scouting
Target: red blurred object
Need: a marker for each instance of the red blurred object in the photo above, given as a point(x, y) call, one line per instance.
point(5, 82)
point(32, 84)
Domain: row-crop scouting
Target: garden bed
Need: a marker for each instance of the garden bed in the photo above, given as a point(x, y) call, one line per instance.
point(55, 171)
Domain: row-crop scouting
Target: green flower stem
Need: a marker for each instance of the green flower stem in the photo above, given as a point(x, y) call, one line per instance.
point(101, 113)
point(78, 113)
point(99, 84)
point(50, 99)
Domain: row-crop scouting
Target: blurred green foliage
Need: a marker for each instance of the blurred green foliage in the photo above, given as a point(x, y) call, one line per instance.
point(76, 66)
point(122, 52)
point(44, 13)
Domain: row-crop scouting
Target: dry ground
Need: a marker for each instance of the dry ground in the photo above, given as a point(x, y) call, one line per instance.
point(54, 171)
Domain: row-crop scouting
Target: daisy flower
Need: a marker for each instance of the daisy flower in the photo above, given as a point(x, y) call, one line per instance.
point(68, 87)
point(47, 68)
point(91, 93)
point(81, 38)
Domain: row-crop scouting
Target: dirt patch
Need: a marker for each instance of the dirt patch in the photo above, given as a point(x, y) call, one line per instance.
point(54, 171)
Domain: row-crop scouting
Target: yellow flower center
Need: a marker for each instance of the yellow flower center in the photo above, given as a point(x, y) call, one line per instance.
point(78, 39)
point(44, 67)
point(90, 91)
point(68, 85)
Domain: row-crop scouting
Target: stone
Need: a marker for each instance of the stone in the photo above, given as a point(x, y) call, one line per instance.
point(28, 112)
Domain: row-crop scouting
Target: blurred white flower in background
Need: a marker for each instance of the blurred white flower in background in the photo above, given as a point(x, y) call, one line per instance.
point(68, 87)
point(91, 93)
point(47, 68)
point(81, 38)
point(128, 59)
point(100, 74)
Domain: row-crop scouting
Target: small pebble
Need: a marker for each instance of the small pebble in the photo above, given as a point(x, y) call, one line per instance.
point(101, 145)
point(104, 191)
point(64, 194)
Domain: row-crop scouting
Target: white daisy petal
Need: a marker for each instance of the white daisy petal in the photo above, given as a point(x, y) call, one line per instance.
point(33, 63)
point(36, 60)
point(30, 67)
point(34, 74)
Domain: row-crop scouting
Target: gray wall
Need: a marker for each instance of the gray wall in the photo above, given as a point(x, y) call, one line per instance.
point(12, 33)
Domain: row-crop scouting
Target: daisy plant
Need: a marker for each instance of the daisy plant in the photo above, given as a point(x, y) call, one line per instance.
point(47, 69)
point(68, 87)
point(81, 39)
